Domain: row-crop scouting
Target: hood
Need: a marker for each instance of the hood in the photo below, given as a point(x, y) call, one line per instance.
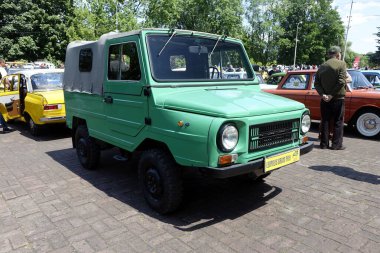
point(52, 97)
point(229, 102)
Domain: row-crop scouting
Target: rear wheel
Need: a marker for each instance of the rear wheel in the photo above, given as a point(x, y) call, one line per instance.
point(87, 150)
point(160, 180)
point(33, 127)
point(368, 123)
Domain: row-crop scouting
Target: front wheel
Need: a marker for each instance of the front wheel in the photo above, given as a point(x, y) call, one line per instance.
point(160, 180)
point(88, 151)
point(368, 123)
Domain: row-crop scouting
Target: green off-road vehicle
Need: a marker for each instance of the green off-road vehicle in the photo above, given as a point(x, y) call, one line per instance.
point(162, 94)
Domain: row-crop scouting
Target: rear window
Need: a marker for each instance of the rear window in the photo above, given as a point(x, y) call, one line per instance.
point(296, 82)
point(47, 81)
point(85, 60)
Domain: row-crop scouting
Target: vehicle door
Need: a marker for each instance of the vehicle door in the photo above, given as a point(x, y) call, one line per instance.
point(9, 95)
point(313, 100)
point(295, 87)
point(124, 99)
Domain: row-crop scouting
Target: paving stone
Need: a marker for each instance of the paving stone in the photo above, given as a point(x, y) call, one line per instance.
point(327, 202)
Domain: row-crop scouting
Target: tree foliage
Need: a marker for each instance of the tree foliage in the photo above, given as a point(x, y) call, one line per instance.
point(42, 28)
point(91, 19)
point(33, 29)
point(320, 27)
point(375, 58)
point(213, 16)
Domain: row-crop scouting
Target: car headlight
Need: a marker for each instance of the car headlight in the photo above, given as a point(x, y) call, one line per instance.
point(228, 137)
point(305, 123)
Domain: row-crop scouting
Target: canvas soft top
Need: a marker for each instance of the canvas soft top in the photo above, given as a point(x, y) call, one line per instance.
point(91, 81)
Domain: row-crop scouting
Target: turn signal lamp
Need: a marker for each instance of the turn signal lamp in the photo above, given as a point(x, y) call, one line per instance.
point(227, 159)
point(305, 139)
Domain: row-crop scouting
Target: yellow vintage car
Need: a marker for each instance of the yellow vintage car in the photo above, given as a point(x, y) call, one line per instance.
point(33, 96)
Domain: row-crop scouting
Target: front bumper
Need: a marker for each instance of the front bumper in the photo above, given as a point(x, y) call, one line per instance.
point(255, 166)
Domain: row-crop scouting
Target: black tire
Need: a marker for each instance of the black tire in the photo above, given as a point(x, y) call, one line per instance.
point(88, 151)
point(160, 180)
point(33, 127)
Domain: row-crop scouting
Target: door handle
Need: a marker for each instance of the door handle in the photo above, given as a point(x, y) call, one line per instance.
point(108, 100)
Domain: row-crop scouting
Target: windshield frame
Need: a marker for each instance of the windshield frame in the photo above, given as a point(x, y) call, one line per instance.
point(204, 81)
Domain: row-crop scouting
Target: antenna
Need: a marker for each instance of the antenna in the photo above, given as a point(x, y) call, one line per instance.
point(348, 27)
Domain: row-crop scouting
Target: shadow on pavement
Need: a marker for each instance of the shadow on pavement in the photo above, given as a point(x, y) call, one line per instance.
point(349, 173)
point(206, 201)
point(47, 133)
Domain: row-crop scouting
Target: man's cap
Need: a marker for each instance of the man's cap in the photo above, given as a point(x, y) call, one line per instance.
point(334, 50)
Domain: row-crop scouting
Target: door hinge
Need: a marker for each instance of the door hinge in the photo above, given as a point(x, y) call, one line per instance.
point(147, 91)
point(148, 121)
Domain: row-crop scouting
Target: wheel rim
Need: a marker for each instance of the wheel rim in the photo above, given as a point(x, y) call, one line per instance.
point(368, 124)
point(31, 123)
point(153, 183)
point(81, 148)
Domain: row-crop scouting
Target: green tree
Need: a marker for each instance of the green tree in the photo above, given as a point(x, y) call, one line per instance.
point(92, 19)
point(375, 58)
point(263, 30)
point(34, 29)
point(213, 16)
point(320, 27)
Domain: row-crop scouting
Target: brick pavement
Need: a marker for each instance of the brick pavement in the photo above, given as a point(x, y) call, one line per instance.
point(327, 202)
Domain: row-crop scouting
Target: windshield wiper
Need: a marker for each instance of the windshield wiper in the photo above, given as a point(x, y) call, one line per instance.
point(162, 49)
point(212, 51)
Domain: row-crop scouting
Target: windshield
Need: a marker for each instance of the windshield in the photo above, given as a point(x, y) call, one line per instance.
point(358, 80)
point(187, 57)
point(47, 81)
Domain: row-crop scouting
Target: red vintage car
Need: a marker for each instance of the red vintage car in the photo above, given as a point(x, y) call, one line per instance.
point(362, 100)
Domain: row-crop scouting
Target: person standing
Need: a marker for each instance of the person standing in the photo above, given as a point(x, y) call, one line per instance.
point(330, 83)
point(3, 72)
point(4, 124)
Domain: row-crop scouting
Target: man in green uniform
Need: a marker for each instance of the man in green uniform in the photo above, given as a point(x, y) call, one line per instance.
point(330, 83)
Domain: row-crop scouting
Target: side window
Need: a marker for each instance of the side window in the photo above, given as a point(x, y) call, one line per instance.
point(85, 60)
point(296, 82)
point(123, 62)
point(114, 62)
point(10, 83)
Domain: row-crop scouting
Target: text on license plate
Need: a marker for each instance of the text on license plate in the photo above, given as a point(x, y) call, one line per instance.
point(277, 161)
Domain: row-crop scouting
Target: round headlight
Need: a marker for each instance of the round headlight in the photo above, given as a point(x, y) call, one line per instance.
point(305, 123)
point(228, 137)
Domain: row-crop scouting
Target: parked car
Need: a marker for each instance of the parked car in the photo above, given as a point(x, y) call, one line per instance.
point(362, 106)
point(275, 78)
point(373, 77)
point(163, 97)
point(34, 96)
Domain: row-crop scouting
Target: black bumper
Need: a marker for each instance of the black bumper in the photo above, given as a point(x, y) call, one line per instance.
point(255, 166)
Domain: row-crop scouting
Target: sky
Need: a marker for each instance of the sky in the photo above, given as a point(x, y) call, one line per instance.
point(365, 18)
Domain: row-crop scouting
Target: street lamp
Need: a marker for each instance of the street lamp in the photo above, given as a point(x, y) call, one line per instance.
point(295, 48)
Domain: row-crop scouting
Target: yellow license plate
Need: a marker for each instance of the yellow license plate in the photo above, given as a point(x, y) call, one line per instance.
point(277, 161)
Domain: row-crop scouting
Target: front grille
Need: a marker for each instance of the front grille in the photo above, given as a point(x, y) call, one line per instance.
point(273, 134)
